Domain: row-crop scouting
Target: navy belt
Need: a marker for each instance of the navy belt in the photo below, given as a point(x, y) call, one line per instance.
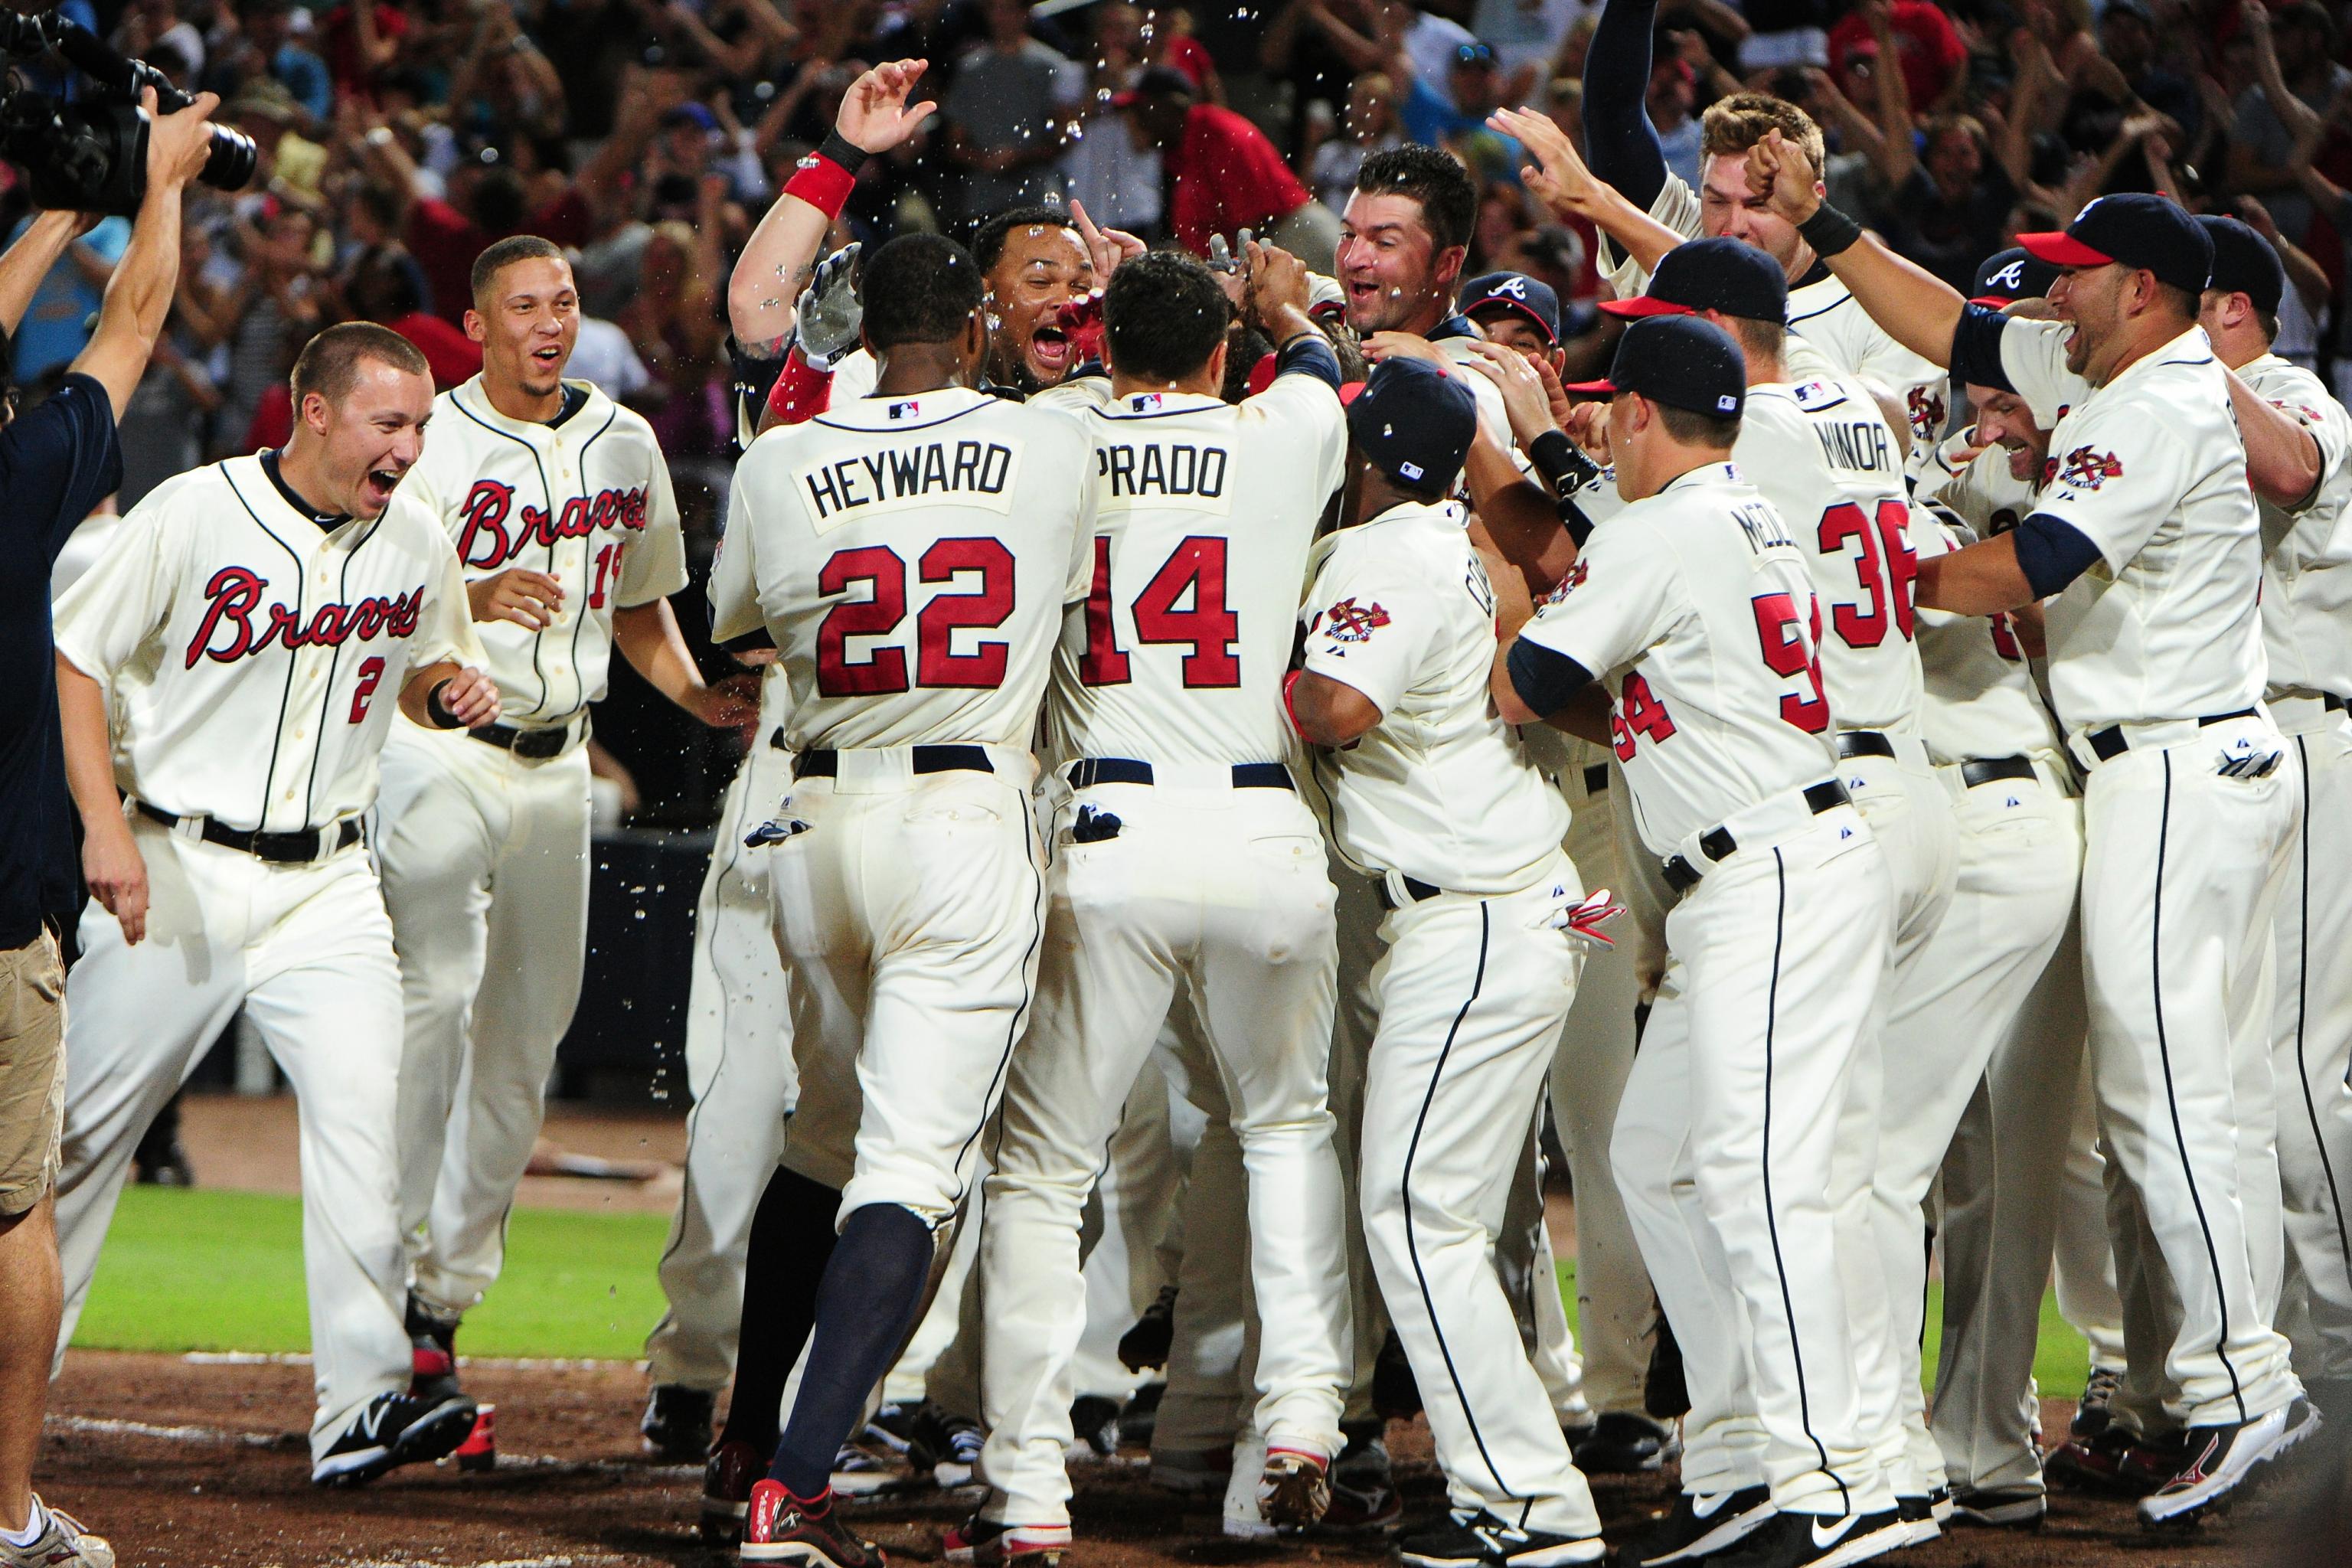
point(537, 745)
point(2332, 703)
point(1864, 743)
point(1718, 844)
point(1985, 769)
point(1089, 771)
point(278, 848)
point(2109, 743)
point(1415, 889)
point(826, 763)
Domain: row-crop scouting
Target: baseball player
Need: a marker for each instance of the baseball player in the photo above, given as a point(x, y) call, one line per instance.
point(559, 503)
point(1699, 591)
point(1182, 853)
point(254, 625)
point(2146, 540)
point(1433, 796)
point(909, 556)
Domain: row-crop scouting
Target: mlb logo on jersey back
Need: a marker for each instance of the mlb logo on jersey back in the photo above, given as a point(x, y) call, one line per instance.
point(907, 410)
point(1351, 621)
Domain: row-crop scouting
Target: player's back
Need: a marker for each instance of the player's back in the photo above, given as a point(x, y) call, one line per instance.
point(1203, 514)
point(910, 557)
point(1823, 454)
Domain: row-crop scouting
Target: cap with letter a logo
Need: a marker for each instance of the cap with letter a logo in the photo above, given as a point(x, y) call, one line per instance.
point(1513, 293)
point(2132, 229)
point(2009, 275)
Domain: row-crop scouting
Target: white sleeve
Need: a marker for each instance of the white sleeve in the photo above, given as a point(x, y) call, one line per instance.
point(1306, 408)
point(1676, 206)
point(653, 566)
point(734, 590)
point(124, 597)
point(2118, 478)
point(1615, 603)
point(445, 630)
point(1374, 617)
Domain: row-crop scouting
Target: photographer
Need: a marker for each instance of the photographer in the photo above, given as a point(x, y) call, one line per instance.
point(57, 463)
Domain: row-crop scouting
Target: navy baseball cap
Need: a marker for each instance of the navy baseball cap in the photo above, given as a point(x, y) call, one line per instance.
point(2245, 263)
point(1414, 422)
point(1683, 361)
point(1722, 275)
point(2132, 229)
point(2010, 275)
point(1526, 297)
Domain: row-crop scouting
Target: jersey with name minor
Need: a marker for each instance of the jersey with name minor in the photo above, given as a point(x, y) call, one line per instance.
point(1701, 594)
point(585, 499)
point(2151, 470)
point(2307, 551)
point(1981, 697)
point(254, 656)
point(1401, 609)
point(1823, 310)
point(1822, 452)
point(1203, 514)
point(910, 558)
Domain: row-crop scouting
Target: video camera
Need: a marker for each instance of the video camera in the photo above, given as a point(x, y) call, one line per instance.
point(91, 154)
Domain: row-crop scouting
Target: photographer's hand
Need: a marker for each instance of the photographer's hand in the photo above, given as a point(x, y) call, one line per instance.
point(177, 144)
point(139, 296)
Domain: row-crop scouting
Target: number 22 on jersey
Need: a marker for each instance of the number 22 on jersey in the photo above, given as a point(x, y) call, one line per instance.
point(882, 608)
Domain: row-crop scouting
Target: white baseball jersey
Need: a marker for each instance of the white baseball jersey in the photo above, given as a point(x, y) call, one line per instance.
point(910, 556)
point(587, 501)
point(2307, 552)
point(257, 658)
point(1823, 310)
point(1203, 513)
point(1441, 789)
point(1823, 454)
point(1701, 592)
point(2151, 470)
point(1981, 699)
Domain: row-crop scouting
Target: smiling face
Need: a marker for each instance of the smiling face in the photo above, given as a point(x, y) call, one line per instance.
point(2091, 300)
point(1042, 266)
point(1512, 330)
point(367, 440)
point(526, 319)
point(1396, 277)
point(2003, 420)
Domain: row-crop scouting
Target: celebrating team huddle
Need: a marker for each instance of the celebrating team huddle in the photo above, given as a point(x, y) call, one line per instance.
point(1207, 684)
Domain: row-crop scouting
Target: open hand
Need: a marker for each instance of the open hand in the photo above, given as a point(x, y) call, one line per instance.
point(874, 115)
point(528, 599)
point(1524, 397)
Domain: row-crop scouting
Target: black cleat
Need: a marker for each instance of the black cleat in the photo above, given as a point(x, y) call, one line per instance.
point(1481, 1541)
point(1625, 1444)
point(432, 1351)
point(1699, 1528)
point(1146, 1345)
point(1820, 1540)
point(2221, 1461)
point(394, 1429)
point(676, 1424)
point(2016, 1508)
point(1094, 1422)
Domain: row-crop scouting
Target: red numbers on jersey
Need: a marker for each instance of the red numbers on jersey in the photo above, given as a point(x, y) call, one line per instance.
point(1787, 653)
point(1208, 628)
point(608, 566)
point(2004, 638)
point(370, 677)
point(937, 663)
point(1638, 712)
point(1886, 568)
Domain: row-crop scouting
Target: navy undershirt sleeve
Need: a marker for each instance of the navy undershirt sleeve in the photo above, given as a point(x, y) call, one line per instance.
point(1545, 680)
point(1309, 353)
point(1621, 145)
point(1976, 348)
point(2052, 553)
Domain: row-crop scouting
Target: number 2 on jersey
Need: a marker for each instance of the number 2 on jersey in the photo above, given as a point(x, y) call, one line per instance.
point(1887, 568)
point(883, 574)
point(1209, 627)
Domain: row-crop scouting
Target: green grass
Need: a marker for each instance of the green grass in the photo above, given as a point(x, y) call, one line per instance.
point(222, 1271)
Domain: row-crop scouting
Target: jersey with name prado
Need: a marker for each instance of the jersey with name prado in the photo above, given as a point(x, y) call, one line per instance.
point(1702, 596)
point(910, 558)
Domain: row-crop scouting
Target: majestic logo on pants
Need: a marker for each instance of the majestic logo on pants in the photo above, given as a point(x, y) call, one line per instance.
point(228, 632)
point(486, 542)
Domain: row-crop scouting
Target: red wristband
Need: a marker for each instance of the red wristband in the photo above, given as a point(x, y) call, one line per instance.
point(1290, 705)
point(822, 183)
point(802, 391)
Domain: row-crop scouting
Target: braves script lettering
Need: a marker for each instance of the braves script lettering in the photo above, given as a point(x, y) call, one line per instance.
point(486, 542)
point(229, 633)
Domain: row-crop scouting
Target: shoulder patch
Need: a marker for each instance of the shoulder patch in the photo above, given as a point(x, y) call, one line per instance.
point(2086, 469)
point(1347, 621)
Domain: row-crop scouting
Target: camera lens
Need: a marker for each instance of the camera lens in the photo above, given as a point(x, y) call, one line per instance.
point(229, 166)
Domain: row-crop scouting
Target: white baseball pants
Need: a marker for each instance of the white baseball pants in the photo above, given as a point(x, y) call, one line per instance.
point(306, 952)
point(485, 863)
point(2181, 873)
point(738, 1068)
point(1472, 992)
point(1225, 889)
point(1357, 918)
point(1724, 1152)
point(2082, 1262)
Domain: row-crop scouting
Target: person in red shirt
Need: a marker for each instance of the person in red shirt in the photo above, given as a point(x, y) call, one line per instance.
point(1925, 41)
point(1222, 174)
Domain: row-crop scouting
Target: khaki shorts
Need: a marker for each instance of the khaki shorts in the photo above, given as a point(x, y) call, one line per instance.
point(32, 1072)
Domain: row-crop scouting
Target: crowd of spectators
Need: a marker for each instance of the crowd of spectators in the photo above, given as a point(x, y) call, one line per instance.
point(398, 137)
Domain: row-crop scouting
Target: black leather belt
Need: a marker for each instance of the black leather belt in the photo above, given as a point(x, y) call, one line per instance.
point(537, 745)
point(1718, 844)
point(278, 848)
point(1596, 778)
point(826, 763)
point(1985, 769)
point(2109, 743)
point(1088, 772)
point(1415, 889)
point(1864, 743)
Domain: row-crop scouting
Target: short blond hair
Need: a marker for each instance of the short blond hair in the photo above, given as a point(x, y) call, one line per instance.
point(1732, 125)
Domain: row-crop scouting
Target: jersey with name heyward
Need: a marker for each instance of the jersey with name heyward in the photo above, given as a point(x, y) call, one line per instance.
point(2307, 551)
point(255, 657)
point(2151, 470)
point(587, 501)
point(1821, 310)
point(1701, 594)
point(1203, 513)
point(910, 558)
point(1825, 458)
point(1442, 790)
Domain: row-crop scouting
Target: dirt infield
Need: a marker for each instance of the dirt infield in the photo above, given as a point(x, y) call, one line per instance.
point(188, 1464)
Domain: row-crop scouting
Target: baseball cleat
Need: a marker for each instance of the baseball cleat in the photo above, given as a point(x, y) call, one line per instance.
point(390, 1430)
point(2097, 1464)
point(1364, 1499)
point(1191, 1469)
point(1920, 1513)
point(1625, 1444)
point(2095, 1412)
point(676, 1424)
point(1294, 1490)
point(727, 1481)
point(2010, 1509)
point(1819, 1541)
point(893, 1425)
point(2223, 1458)
point(432, 1351)
point(479, 1451)
point(1466, 1540)
point(1700, 1526)
point(1094, 1421)
point(1140, 1417)
point(781, 1528)
point(867, 1469)
point(61, 1543)
point(985, 1543)
point(947, 1445)
point(1146, 1345)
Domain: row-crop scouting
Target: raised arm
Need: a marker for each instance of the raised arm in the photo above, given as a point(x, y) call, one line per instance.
point(139, 296)
point(28, 261)
point(1564, 184)
point(1626, 152)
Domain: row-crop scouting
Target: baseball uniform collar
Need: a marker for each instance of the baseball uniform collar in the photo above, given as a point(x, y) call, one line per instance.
point(908, 411)
point(1706, 476)
point(2191, 347)
point(1153, 405)
point(475, 399)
